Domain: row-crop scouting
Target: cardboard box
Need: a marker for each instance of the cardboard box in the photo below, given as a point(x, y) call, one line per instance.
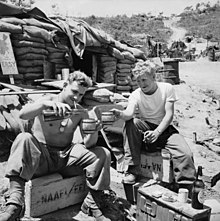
point(157, 165)
point(150, 208)
point(49, 193)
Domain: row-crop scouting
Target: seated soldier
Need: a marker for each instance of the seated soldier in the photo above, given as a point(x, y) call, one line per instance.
point(155, 103)
point(49, 148)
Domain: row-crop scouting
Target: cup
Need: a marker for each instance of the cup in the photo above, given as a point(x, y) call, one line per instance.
point(183, 195)
point(58, 76)
point(89, 125)
point(108, 117)
point(65, 73)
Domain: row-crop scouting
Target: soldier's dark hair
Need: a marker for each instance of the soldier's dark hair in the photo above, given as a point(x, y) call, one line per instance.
point(80, 77)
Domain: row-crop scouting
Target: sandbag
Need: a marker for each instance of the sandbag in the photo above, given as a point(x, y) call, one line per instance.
point(126, 61)
point(129, 56)
point(24, 43)
point(26, 36)
point(56, 55)
point(30, 56)
point(124, 78)
point(58, 61)
point(37, 32)
point(106, 58)
point(107, 69)
point(40, 24)
point(124, 66)
point(122, 74)
point(103, 73)
point(101, 95)
point(115, 52)
point(36, 69)
point(109, 80)
point(123, 88)
point(13, 20)
point(25, 50)
point(33, 75)
point(107, 64)
point(7, 27)
point(30, 63)
point(125, 70)
point(137, 53)
point(123, 82)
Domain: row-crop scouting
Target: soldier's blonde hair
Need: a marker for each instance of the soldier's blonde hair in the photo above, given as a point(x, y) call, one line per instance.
point(144, 67)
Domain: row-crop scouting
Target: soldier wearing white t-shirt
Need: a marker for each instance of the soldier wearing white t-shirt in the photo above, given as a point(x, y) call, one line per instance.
point(153, 127)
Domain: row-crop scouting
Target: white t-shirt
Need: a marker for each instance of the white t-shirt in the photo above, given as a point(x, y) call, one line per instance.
point(152, 107)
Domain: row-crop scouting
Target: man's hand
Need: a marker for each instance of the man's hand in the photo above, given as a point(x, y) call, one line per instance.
point(116, 112)
point(98, 125)
point(151, 136)
point(60, 109)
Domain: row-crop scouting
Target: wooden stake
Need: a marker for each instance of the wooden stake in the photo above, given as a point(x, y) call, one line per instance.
point(11, 77)
point(194, 137)
point(207, 120)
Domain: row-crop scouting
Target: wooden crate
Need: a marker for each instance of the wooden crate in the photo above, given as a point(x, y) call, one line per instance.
point(157, 166)
point(49, 193)
point(154, 208)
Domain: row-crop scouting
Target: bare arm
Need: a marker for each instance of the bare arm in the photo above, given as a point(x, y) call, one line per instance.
point(126, 114)
point(169, 112)
point(31, 110)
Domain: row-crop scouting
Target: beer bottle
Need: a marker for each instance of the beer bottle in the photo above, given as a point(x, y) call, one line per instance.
point(198, 187)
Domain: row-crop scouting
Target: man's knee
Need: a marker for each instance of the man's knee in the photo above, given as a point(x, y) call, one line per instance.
point(103, 152)
point(25, 142)
point(24, 136)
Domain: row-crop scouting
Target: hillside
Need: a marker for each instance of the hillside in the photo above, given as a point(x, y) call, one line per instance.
point(202, 23)
point(132, 30)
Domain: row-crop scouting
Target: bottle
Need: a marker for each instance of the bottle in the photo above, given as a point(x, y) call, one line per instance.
point(49, 115)
point(198, 187)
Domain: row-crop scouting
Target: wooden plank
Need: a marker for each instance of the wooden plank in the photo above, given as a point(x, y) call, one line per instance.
point(29, 92)
point(156, 166)
point(56, 194)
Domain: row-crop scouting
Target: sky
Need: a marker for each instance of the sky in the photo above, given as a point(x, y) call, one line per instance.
point(105, 8)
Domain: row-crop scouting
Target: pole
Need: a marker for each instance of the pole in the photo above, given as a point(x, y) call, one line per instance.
point(29, 92)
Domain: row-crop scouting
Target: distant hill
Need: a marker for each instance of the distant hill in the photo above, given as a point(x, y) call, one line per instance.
point(203, 21)
point(132, 30)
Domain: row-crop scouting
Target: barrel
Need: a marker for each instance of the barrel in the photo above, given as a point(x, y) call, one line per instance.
point(211, 54)
point(173, 66)
point(166, 75)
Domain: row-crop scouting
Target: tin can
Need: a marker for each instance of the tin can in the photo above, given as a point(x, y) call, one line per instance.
point(65, 73)
point(183, 195)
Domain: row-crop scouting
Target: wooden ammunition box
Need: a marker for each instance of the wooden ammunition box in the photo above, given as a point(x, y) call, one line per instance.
point(49, 193)
point(157, 166)
point(151, 207)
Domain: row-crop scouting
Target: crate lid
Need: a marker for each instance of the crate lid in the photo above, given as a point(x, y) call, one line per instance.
point(183, 208)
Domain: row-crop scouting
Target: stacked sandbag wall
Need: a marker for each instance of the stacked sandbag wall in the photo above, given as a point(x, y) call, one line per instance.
point(117, 69)
point(106, 69)
point(124, 73)
point(33, 45)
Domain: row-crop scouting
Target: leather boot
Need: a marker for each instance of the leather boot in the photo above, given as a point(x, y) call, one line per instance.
point(15, 201)
point(12, 213)
point(95, 212)
point(92, 203)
